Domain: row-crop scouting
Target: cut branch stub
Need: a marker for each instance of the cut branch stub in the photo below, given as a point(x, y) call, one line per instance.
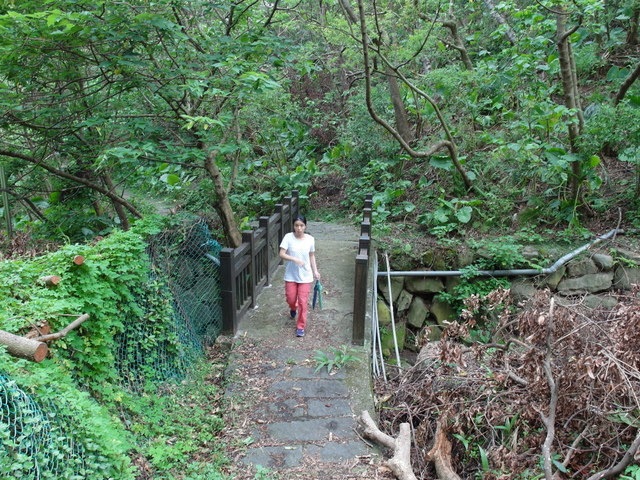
point(78, 259)
point(50, 280)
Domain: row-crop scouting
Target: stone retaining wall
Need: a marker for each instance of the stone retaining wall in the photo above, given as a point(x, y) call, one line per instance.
point(591, 278)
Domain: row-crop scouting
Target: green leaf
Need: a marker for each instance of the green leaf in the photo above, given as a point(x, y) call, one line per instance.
point(464, 214)
point(443, 163)
point(170, 179)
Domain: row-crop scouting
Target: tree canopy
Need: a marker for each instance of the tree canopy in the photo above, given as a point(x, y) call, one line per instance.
point(227, 106)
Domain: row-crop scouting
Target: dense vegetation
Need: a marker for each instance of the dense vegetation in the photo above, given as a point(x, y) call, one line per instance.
point(465, 119)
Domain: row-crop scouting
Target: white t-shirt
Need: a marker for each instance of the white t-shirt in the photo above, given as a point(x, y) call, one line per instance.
point(298, 248)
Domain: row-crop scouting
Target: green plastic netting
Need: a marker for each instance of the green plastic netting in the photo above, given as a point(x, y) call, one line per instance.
point(185, 266)
point(37, 433)
point(36, 437)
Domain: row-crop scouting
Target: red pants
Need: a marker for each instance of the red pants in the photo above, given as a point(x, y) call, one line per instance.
point(297, 295)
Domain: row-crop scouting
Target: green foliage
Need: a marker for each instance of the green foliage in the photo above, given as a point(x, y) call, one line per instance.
point(493, 254)
point(54, 428)
point(339, 359)
point(499, 253)
point(120, 291)
point(449, 216)
point(632, 472)
point(172, 428)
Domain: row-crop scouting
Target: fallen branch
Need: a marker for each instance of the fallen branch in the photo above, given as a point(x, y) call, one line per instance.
point(440, 454)
point(619, 467)
point(73, 325)
point(400, 463)
point(550, 419)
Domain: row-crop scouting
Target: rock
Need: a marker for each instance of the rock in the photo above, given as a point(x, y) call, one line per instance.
point(602, 261)
point(624, 277)
point(404, 301)
point(465, 258)
point(530, 253)
point(451, 283)
point(629, 255)
point(418, 312)
point(522, 289)
point(600, 302)
point(553, 279)
point(435, 333)
point(589, 301)
point(429, 354)
point(386, 337)
point(384, 313)
point(592, 283)
point(396, 287)
point(442, 311)
point(423, 285)
point(584, 266)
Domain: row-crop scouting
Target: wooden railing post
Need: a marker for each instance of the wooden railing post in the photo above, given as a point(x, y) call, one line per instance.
point(295, 205)
point(264, 223)
point(279, 211)
point(360, 299)
point(361, 274)
point(227, 292)
point(287, 219)
point(247, 237)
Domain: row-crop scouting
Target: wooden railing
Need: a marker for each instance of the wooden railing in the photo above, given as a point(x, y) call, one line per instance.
point(361, 274)
point(247, 269)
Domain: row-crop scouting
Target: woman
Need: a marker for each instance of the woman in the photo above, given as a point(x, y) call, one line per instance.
point(298, 248)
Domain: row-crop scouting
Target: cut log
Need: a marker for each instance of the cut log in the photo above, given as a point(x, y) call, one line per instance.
point(21, 347)
point(50, 280)
point(78, 259)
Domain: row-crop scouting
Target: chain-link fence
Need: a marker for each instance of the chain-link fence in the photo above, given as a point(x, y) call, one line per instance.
point(186, 270)
point(181, 315)
point(37, 437)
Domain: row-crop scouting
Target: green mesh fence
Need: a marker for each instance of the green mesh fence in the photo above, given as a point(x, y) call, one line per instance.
point(186, 273)
point(37, 434)
point(36, 439)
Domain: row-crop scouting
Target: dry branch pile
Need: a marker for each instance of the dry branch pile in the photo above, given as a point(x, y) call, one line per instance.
point(555, 393)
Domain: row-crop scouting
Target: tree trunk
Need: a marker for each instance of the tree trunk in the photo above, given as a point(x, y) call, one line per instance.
point(222, 204)
point(569, 88)
point(50, 280)
point(21, 347)
point(440, 453)
point(74, 178)
point(511, 35)
point(400, 463)
point(458, 44)
point(633, 76)
point(402, 119)
point(122, 215)
point(632, 34)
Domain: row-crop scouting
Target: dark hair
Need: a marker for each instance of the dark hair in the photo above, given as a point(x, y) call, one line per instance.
point(299, 218)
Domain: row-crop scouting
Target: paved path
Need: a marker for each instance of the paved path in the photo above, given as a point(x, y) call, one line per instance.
point(296, 422)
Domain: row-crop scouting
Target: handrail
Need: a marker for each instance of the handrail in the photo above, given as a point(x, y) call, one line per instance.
point(247, 269)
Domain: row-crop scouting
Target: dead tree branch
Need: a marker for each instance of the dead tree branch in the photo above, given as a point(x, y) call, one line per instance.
point(400, 463)
point(73, 325)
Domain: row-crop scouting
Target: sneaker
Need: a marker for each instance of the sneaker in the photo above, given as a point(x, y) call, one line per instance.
point(300, 332)
point(293, 313)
